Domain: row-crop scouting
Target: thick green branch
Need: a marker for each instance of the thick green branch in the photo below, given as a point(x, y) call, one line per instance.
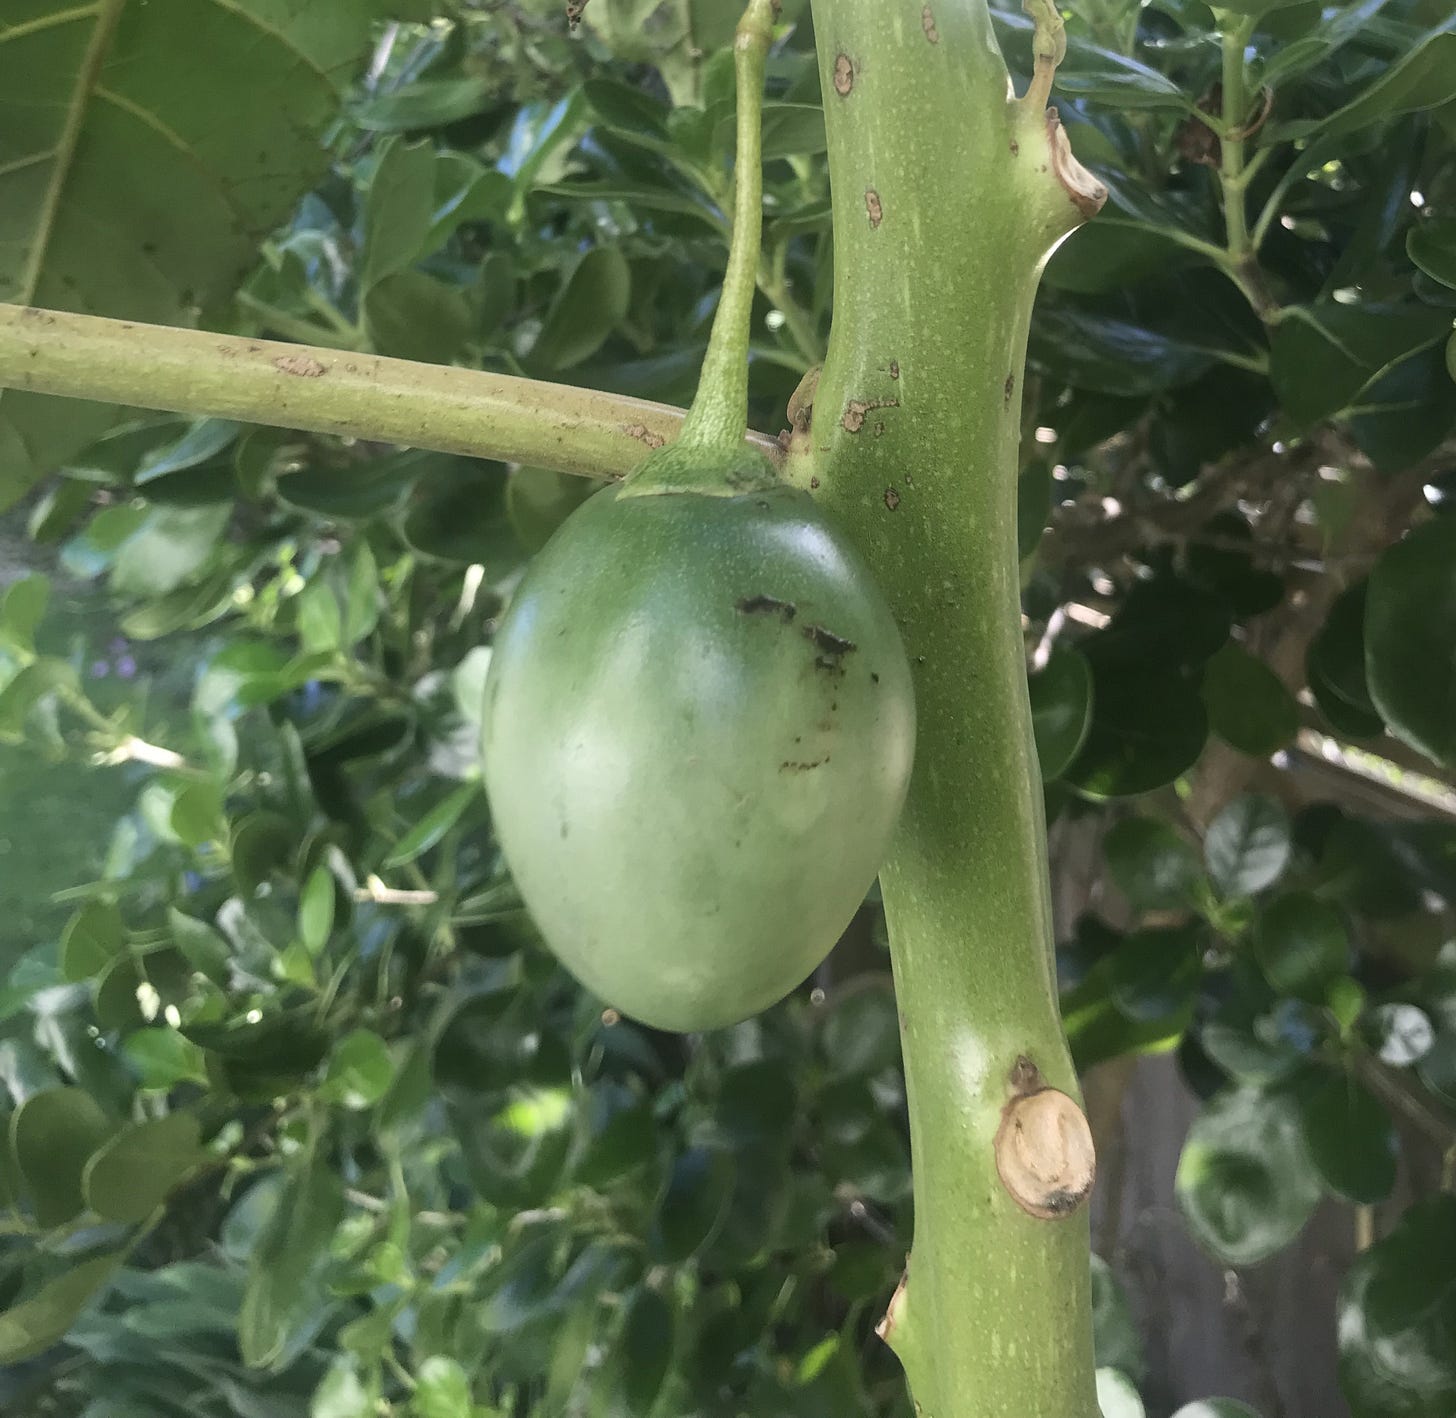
point(331, 391)
point(913, 441)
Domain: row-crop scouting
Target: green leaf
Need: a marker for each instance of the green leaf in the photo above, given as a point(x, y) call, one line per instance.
point(280, 1293)
point(362, 594)
point(861, 1033)
point(28, 688)
point(1117, 1395)
point(1061, 711)
point(129, 1178)
point(1337, 655)
point(1147, 729)
point(427, 103)
point(316, 910)
point(627, 1142)
point(261, 843)
point(1154, 973)
point(196, 815)
point(442, 1389)
point(643, 1351)
point(538, 501)
point(52, 1136)
point(320, 620)
point(1245, 1183)
point(413, 315)
point(1322, 356)
point(202, 440)
point(1249, 707)
point(1301, 945)
point(123, 193)
point(432, 826)
point(1115, 1338)
point(21, 609)
point(1410, 639)
point(31, 1327)
point(1349, 1136)
point(204, 949)
point(1216, 1408)
point(1247, 846)
point(1421, 79)
point(398, 207)
point(592, 300)
point(93, 937)
point(1155, 868)
point(1395, 1316)
point(693, 1206)
point(162, 1059)
point(360, 1070)
point(1432, 246)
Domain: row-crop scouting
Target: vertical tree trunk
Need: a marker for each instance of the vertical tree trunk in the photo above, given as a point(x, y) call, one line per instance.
point(948, 196)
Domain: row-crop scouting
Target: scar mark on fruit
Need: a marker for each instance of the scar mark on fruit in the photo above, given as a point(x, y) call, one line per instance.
point(843, 75)
point(1009, 387)
point(892, 498)
point(768, 605)
point(894, 369)
point(790, 766)
point(856, 411)
point(874, 207)
point(1015, 148)
point(643, 434)
point(927, 23)
point(304, 366)
point(832, 649)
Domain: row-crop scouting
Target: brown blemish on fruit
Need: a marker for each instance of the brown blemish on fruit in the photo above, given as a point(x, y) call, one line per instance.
point(302, 365)
point(813, 484)
point(874, 207)
point(843, 75)
point(768, 605)
point(790, 766)
point(827, 642)
point(892, 498)
point(643, 434)
point(857, 409)
point(894, 369)
point(927, 23)
point(879, 428)
point(1044, 1152)
point(1015, 148)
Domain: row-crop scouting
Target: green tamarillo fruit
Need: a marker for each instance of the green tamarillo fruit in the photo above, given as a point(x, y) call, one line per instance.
point(699, 721)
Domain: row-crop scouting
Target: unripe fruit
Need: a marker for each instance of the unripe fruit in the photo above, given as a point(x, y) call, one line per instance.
point(699, 728)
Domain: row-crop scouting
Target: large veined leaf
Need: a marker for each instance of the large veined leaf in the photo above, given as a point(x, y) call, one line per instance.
point(146, 146)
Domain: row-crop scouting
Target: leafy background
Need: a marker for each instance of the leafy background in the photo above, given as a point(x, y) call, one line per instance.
point(300, 1116)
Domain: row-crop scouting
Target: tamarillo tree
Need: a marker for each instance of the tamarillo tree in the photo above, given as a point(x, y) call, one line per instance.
point(335, 1084)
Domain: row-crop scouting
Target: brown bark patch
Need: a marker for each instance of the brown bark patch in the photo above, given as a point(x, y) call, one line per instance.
point(892, 498)
point(1044, 1153)
point(874, 207)
point(927, 23)
point(843, 75)
point(857, 410)
point(644, 435)
point(302, 365)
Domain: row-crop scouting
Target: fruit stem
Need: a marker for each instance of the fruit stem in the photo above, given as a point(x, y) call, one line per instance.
point(719, 412)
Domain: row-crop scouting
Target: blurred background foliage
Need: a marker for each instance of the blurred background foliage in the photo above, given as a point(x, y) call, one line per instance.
point(299, 1115)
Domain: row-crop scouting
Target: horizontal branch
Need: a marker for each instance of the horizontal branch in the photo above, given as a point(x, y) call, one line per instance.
point(438, 407)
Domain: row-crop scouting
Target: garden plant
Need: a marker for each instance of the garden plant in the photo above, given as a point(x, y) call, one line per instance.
point(617, 544)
